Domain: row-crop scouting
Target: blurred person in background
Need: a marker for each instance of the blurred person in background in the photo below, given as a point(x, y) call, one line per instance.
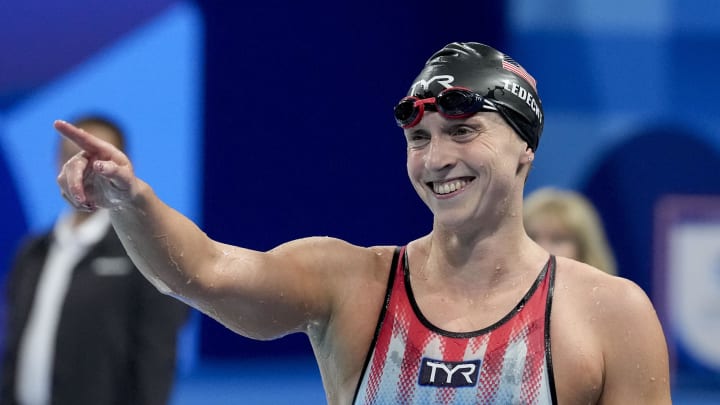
point(84, 326)
point(567, 224)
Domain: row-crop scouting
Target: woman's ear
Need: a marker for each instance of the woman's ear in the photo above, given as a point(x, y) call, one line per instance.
point(527, 156)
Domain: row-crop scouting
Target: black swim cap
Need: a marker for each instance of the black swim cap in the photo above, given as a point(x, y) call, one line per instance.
point(491, 74)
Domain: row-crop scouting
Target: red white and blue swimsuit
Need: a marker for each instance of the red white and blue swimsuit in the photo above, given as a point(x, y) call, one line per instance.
point(414, 362)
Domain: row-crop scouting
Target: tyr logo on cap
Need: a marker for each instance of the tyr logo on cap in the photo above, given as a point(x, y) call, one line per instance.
point(443, 80)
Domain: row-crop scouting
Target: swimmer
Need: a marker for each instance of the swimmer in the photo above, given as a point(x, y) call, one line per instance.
point(473, 312)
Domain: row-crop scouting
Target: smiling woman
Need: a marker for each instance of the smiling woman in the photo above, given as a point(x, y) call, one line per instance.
point(459, 315)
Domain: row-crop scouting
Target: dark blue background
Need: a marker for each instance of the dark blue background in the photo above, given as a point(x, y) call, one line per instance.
point(299, 135)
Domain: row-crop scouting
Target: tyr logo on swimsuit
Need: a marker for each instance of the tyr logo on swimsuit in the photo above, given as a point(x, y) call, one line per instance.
point(448, 373)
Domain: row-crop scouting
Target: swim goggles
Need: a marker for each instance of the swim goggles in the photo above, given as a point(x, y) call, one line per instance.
point(453, 102)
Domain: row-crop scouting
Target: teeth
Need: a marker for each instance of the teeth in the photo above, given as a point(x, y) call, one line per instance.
point(448, 187)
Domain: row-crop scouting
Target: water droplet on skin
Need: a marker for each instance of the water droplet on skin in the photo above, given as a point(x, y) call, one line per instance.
point(653, 379)
point(162, 287)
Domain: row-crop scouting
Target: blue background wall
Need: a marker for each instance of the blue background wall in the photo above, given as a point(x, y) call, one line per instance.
point(300, 138)
point(271, 121)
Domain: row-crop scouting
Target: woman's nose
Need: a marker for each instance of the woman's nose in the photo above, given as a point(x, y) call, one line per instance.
point(441, 153)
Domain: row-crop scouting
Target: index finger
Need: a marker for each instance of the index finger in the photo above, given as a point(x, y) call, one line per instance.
point(84, 140)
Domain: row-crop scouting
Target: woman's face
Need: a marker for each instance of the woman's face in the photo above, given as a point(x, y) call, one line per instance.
point(553, 235)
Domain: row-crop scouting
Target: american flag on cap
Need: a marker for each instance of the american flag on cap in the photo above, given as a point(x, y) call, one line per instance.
point(509, 63)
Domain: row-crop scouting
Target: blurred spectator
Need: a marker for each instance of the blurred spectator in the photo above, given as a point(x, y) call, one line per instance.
point(566, 223)
point(84, 326)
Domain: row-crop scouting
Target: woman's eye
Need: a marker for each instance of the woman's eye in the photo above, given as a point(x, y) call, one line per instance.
point(417, 139)
point(463, 132)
